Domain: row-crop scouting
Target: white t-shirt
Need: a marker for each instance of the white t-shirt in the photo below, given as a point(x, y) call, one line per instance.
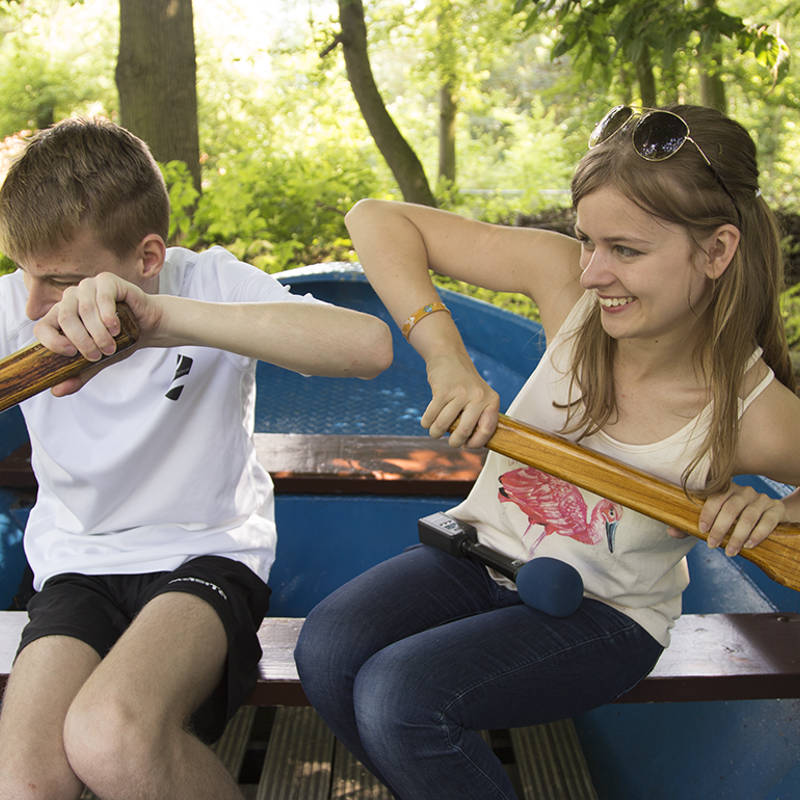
point(152, 462)
point(645, 573)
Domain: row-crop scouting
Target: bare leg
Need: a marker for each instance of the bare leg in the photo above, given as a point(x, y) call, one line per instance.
point(46, 677)
point(125, 734)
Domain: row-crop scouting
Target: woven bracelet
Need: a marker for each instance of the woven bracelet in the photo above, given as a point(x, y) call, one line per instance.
point(429, 308)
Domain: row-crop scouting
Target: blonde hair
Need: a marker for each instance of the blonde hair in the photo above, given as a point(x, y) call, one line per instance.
point(744, 311)
point(78, 175)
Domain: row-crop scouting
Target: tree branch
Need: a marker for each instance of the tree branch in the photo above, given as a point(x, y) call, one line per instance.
point(337, 40)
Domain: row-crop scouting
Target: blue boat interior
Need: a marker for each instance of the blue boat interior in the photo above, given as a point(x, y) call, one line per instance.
point(505, 348)
point(741, 749)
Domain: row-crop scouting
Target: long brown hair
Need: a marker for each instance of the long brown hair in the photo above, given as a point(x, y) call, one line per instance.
point(744, 311)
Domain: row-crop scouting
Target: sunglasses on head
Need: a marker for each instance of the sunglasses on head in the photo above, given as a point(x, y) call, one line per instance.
point(656, 136)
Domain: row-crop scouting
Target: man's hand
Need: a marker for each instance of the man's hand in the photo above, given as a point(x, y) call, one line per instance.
point(85, 321)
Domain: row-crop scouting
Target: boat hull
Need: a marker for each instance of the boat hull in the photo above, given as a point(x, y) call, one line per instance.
point(740, 750)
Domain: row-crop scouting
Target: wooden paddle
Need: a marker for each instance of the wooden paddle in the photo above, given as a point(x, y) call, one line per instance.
point(778, 556)
point(35, 368)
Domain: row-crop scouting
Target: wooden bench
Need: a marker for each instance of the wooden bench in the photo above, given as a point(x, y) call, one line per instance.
point(712, 657)
point(328, 464)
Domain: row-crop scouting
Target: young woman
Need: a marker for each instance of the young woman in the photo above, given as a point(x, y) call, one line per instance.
point(665, 350)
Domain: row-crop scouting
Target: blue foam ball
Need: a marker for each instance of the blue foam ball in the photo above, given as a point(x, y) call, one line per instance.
point(550, 585)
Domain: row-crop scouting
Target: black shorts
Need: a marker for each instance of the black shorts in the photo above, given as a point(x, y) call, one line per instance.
point(98, 609)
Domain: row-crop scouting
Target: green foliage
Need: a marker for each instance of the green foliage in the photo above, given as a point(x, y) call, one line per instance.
point(45, 77)
point(790, 305)
point(517, 303)
point(283, 205)
point(286, 152)
point(588, 30)
point(182, 198)
point(274, 208)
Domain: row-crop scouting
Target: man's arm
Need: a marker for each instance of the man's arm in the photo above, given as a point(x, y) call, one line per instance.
point(311, 338)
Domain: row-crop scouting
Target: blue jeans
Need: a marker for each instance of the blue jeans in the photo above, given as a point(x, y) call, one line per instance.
point(407, 662)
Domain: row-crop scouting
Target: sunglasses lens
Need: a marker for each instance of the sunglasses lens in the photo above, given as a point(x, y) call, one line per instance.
point(610, 124)
point(659, 135)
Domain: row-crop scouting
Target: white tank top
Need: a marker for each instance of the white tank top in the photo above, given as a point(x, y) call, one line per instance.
point(626, 559)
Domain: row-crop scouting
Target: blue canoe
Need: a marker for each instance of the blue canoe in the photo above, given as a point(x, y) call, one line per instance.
point(742, 749)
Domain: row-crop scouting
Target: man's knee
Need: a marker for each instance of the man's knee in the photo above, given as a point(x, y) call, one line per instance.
point(107, 739)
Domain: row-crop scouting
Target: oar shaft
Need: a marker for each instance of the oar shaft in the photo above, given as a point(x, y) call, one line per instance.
point(778, 556)
point(35, 368)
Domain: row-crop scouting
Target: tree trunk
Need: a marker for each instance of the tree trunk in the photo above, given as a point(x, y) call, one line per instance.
point(447, 59)
point(712, 89)
point(402, 160)
point(712, 92)
point(646, 78)
point(448, 110)
point(157, 78)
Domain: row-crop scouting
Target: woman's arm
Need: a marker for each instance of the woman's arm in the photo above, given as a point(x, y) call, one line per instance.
point(399, 243)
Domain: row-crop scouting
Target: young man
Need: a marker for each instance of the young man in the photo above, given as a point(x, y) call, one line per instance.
point(153, 532)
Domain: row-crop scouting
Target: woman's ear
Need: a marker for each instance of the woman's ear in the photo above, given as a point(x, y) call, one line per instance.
point(720, 249)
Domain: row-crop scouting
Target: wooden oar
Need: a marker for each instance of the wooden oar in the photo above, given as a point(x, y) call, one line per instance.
point(778, 556)
point(35, 368)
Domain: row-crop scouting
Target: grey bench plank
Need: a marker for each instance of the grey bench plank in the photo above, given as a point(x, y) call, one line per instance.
point(712, 657)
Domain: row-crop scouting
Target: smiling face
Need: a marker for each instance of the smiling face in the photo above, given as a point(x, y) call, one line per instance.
point(648, 280)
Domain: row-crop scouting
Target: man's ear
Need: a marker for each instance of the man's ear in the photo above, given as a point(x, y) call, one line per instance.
point(152, 252)
point(720, 248)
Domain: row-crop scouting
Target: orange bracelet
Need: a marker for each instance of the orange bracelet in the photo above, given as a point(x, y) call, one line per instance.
point(429, 308)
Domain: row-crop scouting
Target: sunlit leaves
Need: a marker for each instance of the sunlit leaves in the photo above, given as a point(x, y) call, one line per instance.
point(596, 32)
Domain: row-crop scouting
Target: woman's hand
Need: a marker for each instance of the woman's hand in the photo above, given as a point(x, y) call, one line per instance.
point(750, 517)
point(459, 393)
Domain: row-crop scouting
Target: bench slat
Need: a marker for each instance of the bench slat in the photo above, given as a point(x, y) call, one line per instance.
point(351, 779)
point(279, 684)
point(712, 657)
point(726, 657)
point(319, 463)
point(16, 470)
point(322, 463)
point(232, 746)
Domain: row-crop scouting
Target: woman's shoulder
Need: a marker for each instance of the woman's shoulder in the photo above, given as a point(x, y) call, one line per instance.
point(769, 428)
point(757, 376)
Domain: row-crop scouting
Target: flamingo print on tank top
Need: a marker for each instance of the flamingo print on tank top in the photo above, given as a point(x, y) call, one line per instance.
point(559, 507)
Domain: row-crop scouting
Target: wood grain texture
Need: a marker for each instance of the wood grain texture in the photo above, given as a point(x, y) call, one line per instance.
point(778, 556)
point(35, 368)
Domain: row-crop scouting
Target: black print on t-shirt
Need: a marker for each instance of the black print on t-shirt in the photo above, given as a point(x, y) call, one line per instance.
point(182, 370)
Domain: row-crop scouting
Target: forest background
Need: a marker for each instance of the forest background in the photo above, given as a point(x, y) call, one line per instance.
point(271, 118)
